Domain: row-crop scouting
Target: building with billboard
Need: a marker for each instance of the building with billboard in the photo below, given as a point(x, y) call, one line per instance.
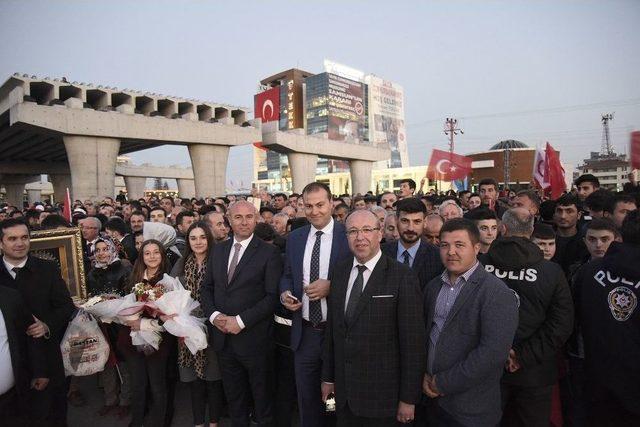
point(342, 103)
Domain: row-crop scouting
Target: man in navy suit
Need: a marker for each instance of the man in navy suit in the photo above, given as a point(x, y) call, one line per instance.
point(412, 250)
point(312, 251)
point(239, 294)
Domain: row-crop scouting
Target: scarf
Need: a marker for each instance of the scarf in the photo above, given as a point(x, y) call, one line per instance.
point(193, 277)
point(113, 253)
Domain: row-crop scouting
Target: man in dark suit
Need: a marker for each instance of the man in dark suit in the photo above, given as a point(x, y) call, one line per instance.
point(471, 318)
point(46, 296)
point(22, 359)
point(312, 252)
point(374, 354)
point(239, 295)
point(411, 249)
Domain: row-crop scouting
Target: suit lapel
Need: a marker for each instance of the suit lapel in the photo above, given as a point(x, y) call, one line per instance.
point(431, 297)
point(246, 256)
point(339, 289)
point(225, 269)
point(298, 255)
point(335, 242)
point(375, 281)
point(464, 294)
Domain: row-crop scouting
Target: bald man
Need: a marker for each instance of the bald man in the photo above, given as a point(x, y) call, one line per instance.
point(239, 295)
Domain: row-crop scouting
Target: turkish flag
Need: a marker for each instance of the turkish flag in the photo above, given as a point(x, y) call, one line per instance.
point(446, 166)
point(554, 173)
point(267, 105)
point(635, 150)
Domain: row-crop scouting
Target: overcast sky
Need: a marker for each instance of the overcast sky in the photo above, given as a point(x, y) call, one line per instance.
point(534, 71)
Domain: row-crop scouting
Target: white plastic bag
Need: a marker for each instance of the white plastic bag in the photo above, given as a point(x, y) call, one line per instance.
point(85, 349)
point(183, 325)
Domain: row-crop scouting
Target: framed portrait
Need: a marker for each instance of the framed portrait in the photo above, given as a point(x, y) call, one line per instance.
point(64, 247)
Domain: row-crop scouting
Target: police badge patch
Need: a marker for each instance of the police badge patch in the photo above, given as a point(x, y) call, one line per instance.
point(622, 303)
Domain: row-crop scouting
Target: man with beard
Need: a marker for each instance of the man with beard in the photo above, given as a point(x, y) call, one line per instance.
point(545, 320)
point(488, 189)
point(387, 200)
point(606, 296)
point(422, 257)
point(586, 184)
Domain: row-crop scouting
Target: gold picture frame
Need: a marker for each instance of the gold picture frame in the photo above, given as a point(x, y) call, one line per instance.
point(64, 247)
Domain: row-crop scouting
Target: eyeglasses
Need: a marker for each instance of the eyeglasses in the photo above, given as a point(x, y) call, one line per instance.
point(353, 232)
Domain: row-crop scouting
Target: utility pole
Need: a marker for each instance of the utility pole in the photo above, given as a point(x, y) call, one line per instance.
point(507, 167)
point(451, 130)
point(606, 148)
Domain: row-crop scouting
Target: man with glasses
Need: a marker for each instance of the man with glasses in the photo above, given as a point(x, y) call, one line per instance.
point(374, 353)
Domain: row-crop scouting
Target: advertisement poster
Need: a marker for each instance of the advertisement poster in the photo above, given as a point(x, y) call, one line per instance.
point(345, 108)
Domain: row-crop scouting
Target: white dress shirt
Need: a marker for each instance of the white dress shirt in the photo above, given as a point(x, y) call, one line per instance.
point(325, 255)
point(371, 264)
point(243, 247)
point(10, 267)
point(7, 380)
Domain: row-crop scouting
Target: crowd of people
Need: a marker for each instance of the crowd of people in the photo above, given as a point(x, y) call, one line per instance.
point(460, 309)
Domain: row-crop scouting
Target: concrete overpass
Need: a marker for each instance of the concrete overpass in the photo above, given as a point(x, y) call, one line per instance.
point(88, 126)
point(303, 151)
point(74, 132)
point(135, 177)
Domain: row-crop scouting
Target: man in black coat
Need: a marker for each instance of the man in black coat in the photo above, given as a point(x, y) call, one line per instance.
point(239, 295)
point(411, 249)
point(606, 293)
point(22, 358)
point(374, 353)
point(545, 319)
point(46, 296)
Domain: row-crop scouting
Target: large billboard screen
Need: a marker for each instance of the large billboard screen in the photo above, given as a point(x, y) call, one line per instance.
point(386, 118)
point(345, 108)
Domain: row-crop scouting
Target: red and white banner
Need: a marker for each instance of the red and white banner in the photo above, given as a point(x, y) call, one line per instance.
point(634, 150)
point(539, 165)
point(267, 105)
point(66, 211)
point(446, 166)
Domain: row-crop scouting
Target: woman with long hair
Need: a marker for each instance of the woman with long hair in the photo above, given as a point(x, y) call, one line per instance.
point(201, 370)
point(144, 367)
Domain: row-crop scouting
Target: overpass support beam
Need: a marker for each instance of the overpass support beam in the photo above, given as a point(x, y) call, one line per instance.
point(60, 184)
point(135, 187)
point(209, 164)
point(92, 161)
point(14, 194)
point(360, 176)
point(303, 169)
point(34, 195)
point(186, 188)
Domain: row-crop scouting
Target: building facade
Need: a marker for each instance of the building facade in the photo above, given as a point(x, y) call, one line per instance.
point(611, 170)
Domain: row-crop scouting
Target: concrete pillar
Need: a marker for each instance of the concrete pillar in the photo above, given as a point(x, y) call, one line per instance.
point(60, 184)
point(186, 188)
point(209, 164)
point(360, 176)
point(303, 169)
point(34, 195)
point(14, 194)
point(135, 186)
point(92, 161)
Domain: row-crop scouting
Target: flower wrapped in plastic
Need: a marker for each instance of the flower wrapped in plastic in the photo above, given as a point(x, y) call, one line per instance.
point(189, 328)
point(104, 307)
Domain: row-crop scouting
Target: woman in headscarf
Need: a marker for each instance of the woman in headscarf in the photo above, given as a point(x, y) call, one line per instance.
point(201, 370)
point(110, 275)
point(166, 235)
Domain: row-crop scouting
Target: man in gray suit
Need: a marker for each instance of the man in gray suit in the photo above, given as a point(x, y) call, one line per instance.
point(471, 318)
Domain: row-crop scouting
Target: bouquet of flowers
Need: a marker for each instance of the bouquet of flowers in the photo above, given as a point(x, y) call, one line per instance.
point(146, 292)
point(105, 307)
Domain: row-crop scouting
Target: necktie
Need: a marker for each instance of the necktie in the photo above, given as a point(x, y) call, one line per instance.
point(16, 270)
point(356, 292)
point(406, 257)
point(315, 307)
point(234, 262)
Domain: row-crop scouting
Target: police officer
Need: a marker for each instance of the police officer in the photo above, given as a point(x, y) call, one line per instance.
point(545, 320)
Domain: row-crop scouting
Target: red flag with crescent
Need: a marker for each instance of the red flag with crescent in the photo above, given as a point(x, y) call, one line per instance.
point(539, 168)
point(447, 166)
point(635, 150)
point(267, 105)
point(66, 210)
